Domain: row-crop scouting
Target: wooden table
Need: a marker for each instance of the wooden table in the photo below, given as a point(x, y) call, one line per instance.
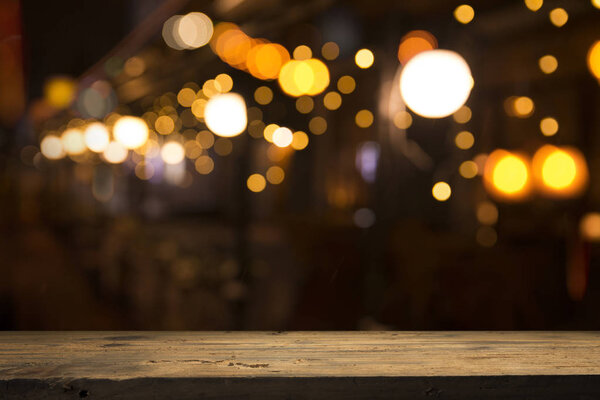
point(300, 365)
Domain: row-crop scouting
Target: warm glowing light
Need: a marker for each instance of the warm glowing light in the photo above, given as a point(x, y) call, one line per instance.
point(346, 84)
point(256, 183)
point(364, 58)
point(223, 146)
point(464, 140)
point(225, 114)
point(403, 120)
point(441, 191)
point(204, 165)
point(464, 13)
point(506, 175)
point(560, 171)
point(115, 153)
point(534, 5)
point(589, 226)
point(263, 95)
point(463, 115)
point(131, 132)
point(73, 141)
point(302, 52)
point(548, 64)
point(96, 137)
point(211, 88)
point(596, 3)
point(299, 140)
point(522, 107)
point(364, 118)
point(300, 77)
point(225, 82)
point(305, 104)
point(275, 175)
point(198, 107)
point(559, 17)
point(186, 97)
point(282, 137)
point(205, 139)
point(436, 83)
point(164, 124)
point(317, 125)
point(265, 60)
point(487, 213)
point(172, 152)
point(194, 30)
point(413, 43)
point(59, 92)
point(332, 101)
point(330, 51)
point(549, 126)
point(134, 66)
point(52, 148)
point(468, 169)
point(269, 131)
point(593, 59)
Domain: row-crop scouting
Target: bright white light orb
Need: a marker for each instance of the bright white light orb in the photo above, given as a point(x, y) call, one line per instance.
point(282, 137)
point(131, 132)
point(436, 83)
point(172, 153)
point(96, 137)
point(225, 114)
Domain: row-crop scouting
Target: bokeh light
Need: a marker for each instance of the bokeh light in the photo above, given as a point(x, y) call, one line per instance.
point(186, 97)
point(282, 137)
point(317, 125)
point(263, 95)
point(172, 152)
point(59, 91)
point(415, 42)
point(131, 132)
point(464, 13)
point(52, 148)
point(436, 83)
point(463, 115)
point(559, 17)
point(225, 82)
point(549, 126)
point(305, 104)
point(223, 146)
point(194, 30)
point(73, 141)
point(204, 165)
point(164, 125)
point(304, 77)
point(534, 5)
point(364, 118)
point(299, 140)
point(441, 191)
point(225, 114)
point(560, 172)
point(275, 175)
point(256, 183)
point(269, 131)
point(302, 52)
point(115, 153)
point(96, 137)
point(364, 58)
point(330, 51)
point(464, 140)
point(589, 226)
point(332, 101)
point(468, 169)
point(487, 213)
point(506, 175)
point(548, 64)
point(403, 119)
point(593, 59)
point(521, 107)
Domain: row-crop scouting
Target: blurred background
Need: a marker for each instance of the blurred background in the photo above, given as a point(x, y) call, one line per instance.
point(299, 164)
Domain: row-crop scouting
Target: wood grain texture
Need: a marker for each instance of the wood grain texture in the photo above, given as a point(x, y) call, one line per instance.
point(299, 364)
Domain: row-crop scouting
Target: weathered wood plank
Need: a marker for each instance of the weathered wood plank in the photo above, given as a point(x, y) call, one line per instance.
point(300, 364)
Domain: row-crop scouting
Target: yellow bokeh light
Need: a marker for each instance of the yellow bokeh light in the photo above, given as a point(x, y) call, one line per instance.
point(59, 92)
point(164, 125)
point(186, 97)
point(560, 171)
point(96, 137)
point(364, 58)
point(205, 139)
point(548, 64)
point(413, 43)
point(211, 88)
point(304, 77)
point(364, 118)
point(596, 3)
point(346, 84)
point(403, 120)
point(441, 191)
point(73, 141)
point(275, 175)
point(593, 59)
point(302, 52)
point(256, 183)
point(52, 148)
point(487, 213)
point(468, 169)
point(282, 137)
point(317, 125)
point(115, 153)
point(521, 107)
point(299, 140)
point(464, 13)
point(225, 114)
point(332, 101)
point(263, 95)
point(559, 17)
point(464, 140)
point(256, 128)
point(265, 60)
point(534, 5)
point(305, 104)
point(463, 115)
point(589, 226)
point(172, 152)
point(198, 107)
point(330, 51)
point(131, 132)
point(506, 175)
point(269, 131)
point(223, 146)
point(549, 126)
point(204, 165)
point(225, 82)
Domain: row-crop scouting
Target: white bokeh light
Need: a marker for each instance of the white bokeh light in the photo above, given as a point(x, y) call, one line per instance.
point(436, 83)
point(225, 114)
point(131, 132)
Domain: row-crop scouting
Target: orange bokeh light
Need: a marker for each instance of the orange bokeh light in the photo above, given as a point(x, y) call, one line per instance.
point(415, 42)
point(506, 175)
point(559, 171)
